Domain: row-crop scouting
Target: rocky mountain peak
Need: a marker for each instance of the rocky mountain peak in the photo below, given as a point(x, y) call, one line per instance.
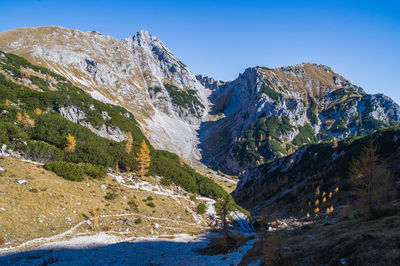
point(269, 113)
point(139, 73)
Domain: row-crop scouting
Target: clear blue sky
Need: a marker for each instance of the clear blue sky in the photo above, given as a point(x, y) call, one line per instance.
point(358, 39)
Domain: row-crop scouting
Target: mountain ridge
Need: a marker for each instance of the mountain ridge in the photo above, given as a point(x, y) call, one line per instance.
point(226, 125)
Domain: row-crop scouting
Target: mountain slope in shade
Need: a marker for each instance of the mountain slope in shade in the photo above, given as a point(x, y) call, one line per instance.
point(288, 185)
point(269, 113)
point(138, 72)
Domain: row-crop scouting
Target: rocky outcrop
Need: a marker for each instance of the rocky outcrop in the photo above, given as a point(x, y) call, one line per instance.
point(75, 115)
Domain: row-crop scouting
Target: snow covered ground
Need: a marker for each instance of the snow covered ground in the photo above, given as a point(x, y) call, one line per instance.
point(104, 249)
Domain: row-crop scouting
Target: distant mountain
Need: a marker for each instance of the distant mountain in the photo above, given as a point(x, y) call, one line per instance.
point(269, 113)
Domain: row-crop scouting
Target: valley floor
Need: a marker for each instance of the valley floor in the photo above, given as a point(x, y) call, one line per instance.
point(105, 249)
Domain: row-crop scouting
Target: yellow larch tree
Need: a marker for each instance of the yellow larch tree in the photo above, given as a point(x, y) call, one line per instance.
point(129, 142)
point(181, 160)
point(71, 143)
point(38, 111)
point(19, 117)
point(28, 121)
point(143, 159)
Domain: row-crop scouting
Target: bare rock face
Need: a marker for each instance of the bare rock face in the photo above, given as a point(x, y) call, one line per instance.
point(77, 116)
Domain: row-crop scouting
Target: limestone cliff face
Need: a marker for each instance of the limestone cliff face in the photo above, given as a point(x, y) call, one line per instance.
point(270, 113)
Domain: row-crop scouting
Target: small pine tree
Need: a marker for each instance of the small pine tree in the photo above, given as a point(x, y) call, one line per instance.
point(71, 143)
point(181, 160)
point(19, 117)
point(129, 142)
point(28, 121)
point(143, 159)
point(317, 191)
point(371, 179)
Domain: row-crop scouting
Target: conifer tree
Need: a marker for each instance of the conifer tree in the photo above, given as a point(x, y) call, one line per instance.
point(71, 143)
point(181, 160)
point(27, 121)
point(370, 177)
point(143, 159)
point(129, 141)
point(19, 117)
point(38, 111)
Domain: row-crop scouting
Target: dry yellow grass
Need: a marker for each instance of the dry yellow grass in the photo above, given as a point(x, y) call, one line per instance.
point(48, 205)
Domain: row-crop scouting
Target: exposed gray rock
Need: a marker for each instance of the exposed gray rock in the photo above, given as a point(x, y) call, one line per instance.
point(74, 114)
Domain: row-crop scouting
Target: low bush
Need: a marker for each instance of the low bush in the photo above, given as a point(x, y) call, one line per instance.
point(133, 205)
point(138, 221)
point(75, 172)
point(95, 171)
point(201, 208)
point(66, 170)
point(149, 198)
point(151, 204)
point(33, 190)
point(166, 181)
point(111, 196)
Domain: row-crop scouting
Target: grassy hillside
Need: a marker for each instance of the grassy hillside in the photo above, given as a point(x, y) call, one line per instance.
point(45, 205)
